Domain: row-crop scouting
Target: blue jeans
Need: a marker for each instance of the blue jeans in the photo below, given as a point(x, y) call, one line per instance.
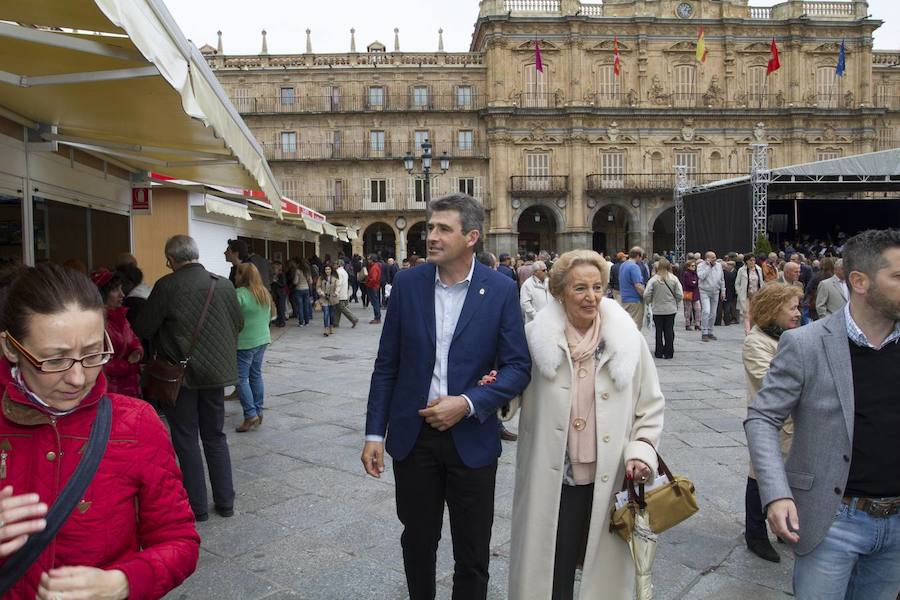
point(326, 314)
point(859, 559)
point(375, 300)
point(804, 315)
point(250, 380)
point(304, 306)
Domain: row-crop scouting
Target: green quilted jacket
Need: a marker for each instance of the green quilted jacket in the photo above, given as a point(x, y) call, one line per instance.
point(170, 317)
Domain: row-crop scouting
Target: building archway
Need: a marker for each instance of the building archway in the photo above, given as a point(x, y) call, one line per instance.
point(379, 238)
point(416, 240)
point(610, 227)
point(663, 231)
point(537, 226)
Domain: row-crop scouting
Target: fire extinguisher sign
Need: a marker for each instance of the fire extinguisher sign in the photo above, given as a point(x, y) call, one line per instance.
point(141, 198)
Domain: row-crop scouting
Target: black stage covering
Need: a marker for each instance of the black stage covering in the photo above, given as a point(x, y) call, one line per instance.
point(720, 220)
point(821, 217)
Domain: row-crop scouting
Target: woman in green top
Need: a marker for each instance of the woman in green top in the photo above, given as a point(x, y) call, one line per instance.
point(256, 305)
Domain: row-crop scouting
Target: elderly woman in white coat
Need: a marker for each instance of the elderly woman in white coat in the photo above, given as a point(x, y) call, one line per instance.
point(594, 395)
point(747, 282)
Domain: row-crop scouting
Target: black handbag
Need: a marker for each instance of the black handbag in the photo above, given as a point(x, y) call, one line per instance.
point(17, 564)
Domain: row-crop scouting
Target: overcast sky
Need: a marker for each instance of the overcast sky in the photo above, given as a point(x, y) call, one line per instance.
point(286, 22)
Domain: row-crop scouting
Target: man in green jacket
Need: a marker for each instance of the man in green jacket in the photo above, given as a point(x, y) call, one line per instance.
point(170, 319)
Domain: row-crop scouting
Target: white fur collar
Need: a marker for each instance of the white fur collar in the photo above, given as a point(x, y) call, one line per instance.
point(547, 340)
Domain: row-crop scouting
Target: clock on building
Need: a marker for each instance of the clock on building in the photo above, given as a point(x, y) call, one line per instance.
point(400, 223)
point(685, 10)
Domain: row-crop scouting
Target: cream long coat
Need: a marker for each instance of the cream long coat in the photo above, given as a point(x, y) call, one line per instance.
point(629, 405)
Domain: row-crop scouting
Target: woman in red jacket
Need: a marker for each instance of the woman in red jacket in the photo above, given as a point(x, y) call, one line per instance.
point(132, 534)
point(123, 371)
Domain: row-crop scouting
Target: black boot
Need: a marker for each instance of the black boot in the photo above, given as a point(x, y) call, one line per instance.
point(763, 549)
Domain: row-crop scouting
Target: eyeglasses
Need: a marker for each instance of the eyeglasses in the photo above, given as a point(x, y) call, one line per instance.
point(57, 365)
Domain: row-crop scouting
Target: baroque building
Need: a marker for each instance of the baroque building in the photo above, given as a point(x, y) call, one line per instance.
point(574, 156)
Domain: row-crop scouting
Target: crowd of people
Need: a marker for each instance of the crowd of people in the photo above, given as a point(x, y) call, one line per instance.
point(554, 339)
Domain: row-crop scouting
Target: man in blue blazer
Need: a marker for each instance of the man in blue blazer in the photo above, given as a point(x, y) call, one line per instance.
point(451, 322)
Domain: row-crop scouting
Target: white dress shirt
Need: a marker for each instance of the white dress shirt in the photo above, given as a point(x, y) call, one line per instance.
point(448, 305)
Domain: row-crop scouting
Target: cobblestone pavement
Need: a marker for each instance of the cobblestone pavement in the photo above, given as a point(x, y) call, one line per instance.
point(309, 524)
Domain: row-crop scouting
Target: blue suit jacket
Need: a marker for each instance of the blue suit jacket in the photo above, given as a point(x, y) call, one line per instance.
point(489, 335)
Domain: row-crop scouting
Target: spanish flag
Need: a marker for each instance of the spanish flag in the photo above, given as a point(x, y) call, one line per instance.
point(701, 47)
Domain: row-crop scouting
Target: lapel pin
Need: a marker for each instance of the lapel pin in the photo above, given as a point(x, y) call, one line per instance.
point(481, 291)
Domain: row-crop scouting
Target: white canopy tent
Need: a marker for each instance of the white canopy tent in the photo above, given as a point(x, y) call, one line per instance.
point(118, 79)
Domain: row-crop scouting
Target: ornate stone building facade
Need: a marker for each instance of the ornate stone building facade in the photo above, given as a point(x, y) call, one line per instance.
point(576, 156)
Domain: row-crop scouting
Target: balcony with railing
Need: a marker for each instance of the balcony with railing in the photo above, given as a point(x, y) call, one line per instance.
point(600, 184)
point(281, 62)
point(353, 203)
point(539, 185)
point(358, 103)
point(390, 150)
point(538, 100)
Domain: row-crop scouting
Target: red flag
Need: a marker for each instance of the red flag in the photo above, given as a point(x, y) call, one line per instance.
point(538, 63)
point(774, 63)
point(616, 62)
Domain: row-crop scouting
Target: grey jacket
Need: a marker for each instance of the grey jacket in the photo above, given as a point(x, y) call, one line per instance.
point(811, 380)
point(664, 296)
point(170, 317)
point(830, 296)
point(712, 278)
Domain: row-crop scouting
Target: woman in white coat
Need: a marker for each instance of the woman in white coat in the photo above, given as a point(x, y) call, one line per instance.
point(594, 392)
point(747, 282)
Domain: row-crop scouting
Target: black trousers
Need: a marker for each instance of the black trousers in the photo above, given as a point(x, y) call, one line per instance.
point(434, 474)
point(730, 315)
point(203, 412)
point(295, 306)
point(754, 516)
point(571, 537)
point(280, 306)
point(665, 335)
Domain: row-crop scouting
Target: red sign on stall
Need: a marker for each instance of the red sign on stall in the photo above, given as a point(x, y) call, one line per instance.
point(141, 198)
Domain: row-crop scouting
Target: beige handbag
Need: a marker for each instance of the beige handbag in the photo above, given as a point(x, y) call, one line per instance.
point(667, 506)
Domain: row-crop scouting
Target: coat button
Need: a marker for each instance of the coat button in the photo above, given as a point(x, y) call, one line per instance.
point(51, 456)
point(604, 478)
point(837, 491)
point(846, 458)
point(606, 438)
point(604, 396)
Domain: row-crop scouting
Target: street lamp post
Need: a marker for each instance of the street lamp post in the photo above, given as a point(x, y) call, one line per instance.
point(425, 173)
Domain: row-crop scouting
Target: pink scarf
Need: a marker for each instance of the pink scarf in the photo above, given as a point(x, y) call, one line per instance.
point(582, 442)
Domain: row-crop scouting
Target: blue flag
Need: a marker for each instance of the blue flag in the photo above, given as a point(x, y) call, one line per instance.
point(842, 62)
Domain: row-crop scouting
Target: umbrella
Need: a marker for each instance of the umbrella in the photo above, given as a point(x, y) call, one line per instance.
point(643, 551)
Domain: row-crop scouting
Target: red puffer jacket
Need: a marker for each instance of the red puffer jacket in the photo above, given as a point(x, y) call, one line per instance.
point(135, 515)
point(122, 376)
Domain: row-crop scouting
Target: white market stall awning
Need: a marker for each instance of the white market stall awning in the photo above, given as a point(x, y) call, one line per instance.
point(225, 207)
point(118, 79)
point(316, 226)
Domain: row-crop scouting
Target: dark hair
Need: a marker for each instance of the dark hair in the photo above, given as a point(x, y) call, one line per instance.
point(864, 252)
point(110, 285)
point(471, 213)
point(46, 289)
point(486, 258)
point(131, 277)
point(239, 246)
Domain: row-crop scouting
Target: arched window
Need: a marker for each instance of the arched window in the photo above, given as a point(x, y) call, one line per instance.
point(715, 162)
point(534, 94)
point(685, 85)
point(657, 170)
point(608, 88)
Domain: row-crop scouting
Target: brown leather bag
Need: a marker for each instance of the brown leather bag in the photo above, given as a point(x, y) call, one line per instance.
point(666, 506)
point(163, 378)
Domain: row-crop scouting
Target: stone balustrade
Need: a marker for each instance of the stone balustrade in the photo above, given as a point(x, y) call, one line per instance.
point(348, 60)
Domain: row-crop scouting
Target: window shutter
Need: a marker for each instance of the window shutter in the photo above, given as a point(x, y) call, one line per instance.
point(478, 192)
point(367, 190)
point(389, 188)
point(410, 191)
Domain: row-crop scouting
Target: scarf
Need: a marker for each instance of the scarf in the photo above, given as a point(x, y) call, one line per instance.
point(582, 444)
point(773, 331)
point(21, 385)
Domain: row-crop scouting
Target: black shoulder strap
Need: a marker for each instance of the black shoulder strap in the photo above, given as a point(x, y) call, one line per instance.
point(17, 564)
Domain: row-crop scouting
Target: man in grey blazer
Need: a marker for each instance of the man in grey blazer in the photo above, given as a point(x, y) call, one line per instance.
point(832, 293)
point(836, 499)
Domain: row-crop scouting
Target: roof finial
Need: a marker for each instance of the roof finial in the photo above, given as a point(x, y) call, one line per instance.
point(352, 40)
point(265, 47)
point(441, 39)
point(396, 39)
point(219, 44)
point(308, 42)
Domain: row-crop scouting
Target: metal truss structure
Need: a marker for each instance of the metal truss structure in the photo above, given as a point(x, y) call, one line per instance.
point(681, 186)
point(759, 184)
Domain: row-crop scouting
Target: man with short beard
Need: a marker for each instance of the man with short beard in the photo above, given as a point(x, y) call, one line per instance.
point(836, 500)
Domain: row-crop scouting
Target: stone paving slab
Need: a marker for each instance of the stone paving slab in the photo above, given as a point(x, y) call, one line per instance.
point(309, 525)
